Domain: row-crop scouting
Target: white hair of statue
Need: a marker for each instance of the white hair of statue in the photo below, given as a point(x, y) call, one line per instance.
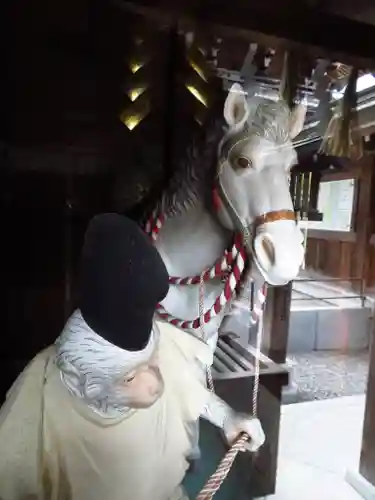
point(92, 368)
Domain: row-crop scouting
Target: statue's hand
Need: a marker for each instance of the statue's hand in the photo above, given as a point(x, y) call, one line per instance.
point(238, 424)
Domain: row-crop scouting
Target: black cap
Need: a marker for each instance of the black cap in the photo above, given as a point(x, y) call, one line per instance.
point(122, 280)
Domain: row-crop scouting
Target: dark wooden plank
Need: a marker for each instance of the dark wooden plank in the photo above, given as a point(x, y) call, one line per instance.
point(317, 254)
point(346, 250)
point(276, 322)
point(370, 278)
point(314, 191)
point(233, 361)
point(334, 258)
point(323, 255)
point(343, 38)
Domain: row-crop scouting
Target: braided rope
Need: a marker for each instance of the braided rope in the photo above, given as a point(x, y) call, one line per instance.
point(232, 265)
point(210, 380)
point(217, 478)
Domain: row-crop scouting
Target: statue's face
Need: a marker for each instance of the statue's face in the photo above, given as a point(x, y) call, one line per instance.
point(144, 385)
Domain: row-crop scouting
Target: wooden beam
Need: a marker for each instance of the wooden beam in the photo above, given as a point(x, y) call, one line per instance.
point(362, 222)
point(276, 322)
point(328, 34)
point(366, 473)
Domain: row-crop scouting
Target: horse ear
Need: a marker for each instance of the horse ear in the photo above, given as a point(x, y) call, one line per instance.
point(297, 119)
point(236, 110)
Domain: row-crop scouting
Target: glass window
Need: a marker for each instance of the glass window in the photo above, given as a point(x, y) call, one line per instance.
point(335, 202)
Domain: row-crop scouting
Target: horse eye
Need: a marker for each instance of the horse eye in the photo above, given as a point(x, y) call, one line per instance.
point(129, 379)
point(243, 162)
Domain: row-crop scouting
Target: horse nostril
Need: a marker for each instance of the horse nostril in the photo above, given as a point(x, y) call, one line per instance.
point(268, 248)
point(265, 252)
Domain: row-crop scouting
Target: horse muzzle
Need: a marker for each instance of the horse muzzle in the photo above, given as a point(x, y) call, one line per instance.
point(278, 253)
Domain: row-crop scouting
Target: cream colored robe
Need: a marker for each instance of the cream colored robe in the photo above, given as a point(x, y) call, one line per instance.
point(53, 447)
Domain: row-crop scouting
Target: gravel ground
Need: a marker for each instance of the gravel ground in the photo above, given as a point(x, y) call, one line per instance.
point(326, 375)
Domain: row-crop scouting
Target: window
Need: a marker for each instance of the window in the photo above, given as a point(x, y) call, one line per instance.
point(335, 202)
point(364, 82)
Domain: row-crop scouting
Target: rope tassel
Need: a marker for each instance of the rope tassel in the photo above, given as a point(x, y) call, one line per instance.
point(341, 139)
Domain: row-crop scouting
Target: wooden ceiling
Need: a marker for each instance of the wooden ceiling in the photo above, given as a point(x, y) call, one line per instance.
point(287, 24)
point(70, 73)
point(359, 10)
point(67, 88)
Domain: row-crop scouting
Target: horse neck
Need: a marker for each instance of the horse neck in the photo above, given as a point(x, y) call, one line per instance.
point(192, 241)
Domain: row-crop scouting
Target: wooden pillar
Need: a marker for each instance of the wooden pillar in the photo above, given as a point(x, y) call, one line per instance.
point(363, 219)
point(276, 322)
point(275, 341)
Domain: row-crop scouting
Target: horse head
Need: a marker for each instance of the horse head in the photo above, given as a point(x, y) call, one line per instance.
point(255, 159)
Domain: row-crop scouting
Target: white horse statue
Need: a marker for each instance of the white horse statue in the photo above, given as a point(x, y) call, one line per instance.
point(214, 219)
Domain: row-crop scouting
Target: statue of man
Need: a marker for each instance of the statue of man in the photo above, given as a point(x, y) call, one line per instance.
point(104, 413)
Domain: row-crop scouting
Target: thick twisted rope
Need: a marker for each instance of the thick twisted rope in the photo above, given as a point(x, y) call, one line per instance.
point(217, 478)
point(232, 265)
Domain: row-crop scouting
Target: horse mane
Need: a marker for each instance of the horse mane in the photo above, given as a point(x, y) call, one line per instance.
point(193, 175)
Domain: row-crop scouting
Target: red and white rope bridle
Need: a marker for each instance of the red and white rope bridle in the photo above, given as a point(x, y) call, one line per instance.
point(230, 266)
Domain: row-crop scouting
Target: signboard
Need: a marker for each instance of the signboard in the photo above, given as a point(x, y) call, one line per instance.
point(335, 202)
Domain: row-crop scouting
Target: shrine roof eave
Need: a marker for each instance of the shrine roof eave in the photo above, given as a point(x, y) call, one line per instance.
point(322, 34)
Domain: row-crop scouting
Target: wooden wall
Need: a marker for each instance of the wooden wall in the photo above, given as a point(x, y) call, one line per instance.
point(332, 255)
point(349, 255)
point(64, 149)
point(67, 153)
